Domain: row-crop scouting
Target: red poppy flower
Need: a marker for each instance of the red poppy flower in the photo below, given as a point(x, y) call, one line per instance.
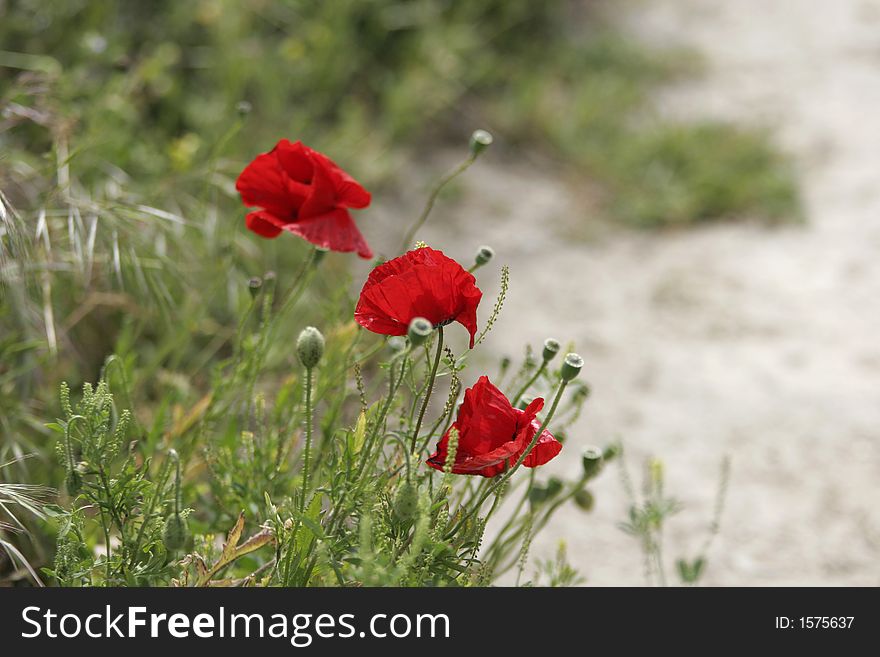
point(492, 434)
point(305, 193)
point(420, 283)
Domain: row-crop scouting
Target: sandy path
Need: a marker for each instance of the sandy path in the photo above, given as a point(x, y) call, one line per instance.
point(760, 343)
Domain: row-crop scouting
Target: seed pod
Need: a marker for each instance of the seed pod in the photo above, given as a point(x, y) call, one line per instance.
point(551, 348)
point(591, 459)
point(584, 499)
point(176, 532)
point(484, 255)
point(419, 331)
point(310, 347)
point(480, 141)
point(571, 367)
point(254, 286)
point(406, 501)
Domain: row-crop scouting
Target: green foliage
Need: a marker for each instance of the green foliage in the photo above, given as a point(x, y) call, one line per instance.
point(157, 96)
point(648, 516)
point(111, 498)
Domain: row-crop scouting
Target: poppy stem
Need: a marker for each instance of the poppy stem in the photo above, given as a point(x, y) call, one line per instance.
point(427, 398)
point(308, 448)
point(432, 198)
point(528, 384)
point(507, 475)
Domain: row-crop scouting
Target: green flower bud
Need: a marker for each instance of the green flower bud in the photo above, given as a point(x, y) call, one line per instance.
point(243, 108)
point(254, 286)
point(505, 364)
point(537, 495)
point(584, 499)
point(554, 486)
point(571, 367)
point(612, 452)
point(406, 501)
point(551, 348)
point(310, 347)
point(480, 141)
point(73, 482)
point(484, 255)
point(396, 343)
point(176, 532)
point(592, 462)
point(420, 330)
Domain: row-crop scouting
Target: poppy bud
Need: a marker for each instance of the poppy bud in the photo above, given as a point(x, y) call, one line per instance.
point(484, 255)
point(584, 499)
point(505, 364)
point(73, 482)
point(419, 331)
point(537, 495)
point(254, 286)
point(396, 343)
point(612, 452)
point(571, 367)
point(592, 462)
point(554, 485)
point(310, 347)
point(551, 348)
point(406, 501)
point(176, 532)
point(480, 141)
point(269, 277)
point(243, 108)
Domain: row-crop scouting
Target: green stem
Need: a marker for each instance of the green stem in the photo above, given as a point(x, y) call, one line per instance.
point(308, 448)
point(427, 398)
point(528, 384)
point(432, 198)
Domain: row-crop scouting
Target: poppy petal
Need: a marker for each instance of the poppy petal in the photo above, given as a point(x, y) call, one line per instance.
point(335, 231)
point(263, 223)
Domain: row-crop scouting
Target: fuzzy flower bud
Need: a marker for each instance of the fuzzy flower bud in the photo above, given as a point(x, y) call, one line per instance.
point(243, 108)
point(480, 141)
point(420, 330)
point(551, 348)
point(406, 501)
point(310, 347)
point(571, 367)
point(176, 532)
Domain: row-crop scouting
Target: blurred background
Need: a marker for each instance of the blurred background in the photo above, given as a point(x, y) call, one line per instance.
point(685, 189)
